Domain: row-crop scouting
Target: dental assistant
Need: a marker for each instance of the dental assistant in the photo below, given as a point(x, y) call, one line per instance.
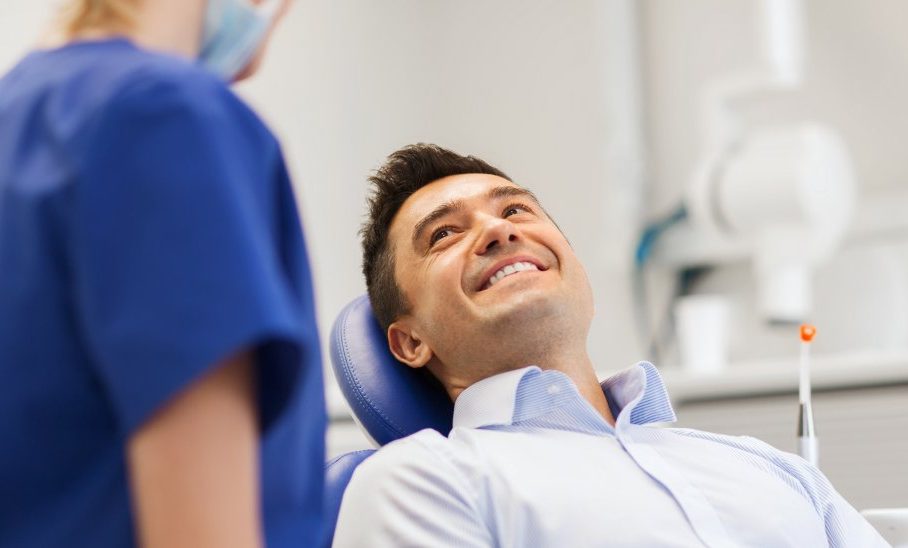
point(160, 372)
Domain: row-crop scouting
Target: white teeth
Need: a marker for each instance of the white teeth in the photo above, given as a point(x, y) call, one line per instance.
point(510, 269)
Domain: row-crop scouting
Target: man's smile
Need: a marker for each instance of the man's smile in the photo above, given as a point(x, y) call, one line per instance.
point(509, 267)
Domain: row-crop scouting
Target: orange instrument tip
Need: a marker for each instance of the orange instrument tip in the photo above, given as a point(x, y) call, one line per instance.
point(808, 332)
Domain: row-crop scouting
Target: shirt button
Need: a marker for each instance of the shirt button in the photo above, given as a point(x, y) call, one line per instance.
point(554, 389)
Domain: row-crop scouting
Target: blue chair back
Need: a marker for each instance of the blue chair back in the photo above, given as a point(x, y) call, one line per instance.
point(337, 475)
point(389, 400)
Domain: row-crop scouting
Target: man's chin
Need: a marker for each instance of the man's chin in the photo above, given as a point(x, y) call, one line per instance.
point(525, 306)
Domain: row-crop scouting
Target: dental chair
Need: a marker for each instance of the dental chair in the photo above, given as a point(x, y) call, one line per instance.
point(389, 400)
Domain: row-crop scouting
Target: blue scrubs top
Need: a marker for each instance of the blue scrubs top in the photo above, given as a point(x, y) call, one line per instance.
point(147, 230)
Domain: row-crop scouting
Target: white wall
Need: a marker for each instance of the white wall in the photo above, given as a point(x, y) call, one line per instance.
point(21, 25)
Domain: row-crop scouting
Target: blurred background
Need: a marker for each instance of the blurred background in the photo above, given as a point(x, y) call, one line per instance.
point(726, 169)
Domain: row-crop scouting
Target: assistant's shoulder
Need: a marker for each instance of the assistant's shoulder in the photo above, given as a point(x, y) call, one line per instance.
point(92, 75)
point(169, 100)
point(164, 86)
point(123, 82)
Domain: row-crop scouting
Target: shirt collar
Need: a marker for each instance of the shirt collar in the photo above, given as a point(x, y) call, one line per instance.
point(636, 395)
point(489, 401)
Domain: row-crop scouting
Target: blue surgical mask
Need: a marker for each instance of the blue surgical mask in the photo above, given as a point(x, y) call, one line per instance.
point(234, 31)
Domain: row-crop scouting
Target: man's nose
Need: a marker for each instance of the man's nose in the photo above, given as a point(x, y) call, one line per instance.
point(496, 232)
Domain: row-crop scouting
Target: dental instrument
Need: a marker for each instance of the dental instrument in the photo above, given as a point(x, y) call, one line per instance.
point(807, 438)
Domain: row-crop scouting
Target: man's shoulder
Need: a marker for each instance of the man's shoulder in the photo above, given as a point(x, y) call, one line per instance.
point(757, 452)
point(410, 451)
point(425, 458)
point(426, 439)
point(744, 443)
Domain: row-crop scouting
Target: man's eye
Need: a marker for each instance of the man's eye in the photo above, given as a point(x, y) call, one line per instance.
point(514, 209)
point(442, 232)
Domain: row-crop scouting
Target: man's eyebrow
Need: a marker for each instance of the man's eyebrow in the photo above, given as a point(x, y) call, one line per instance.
point(443, 210)
point(512, 191)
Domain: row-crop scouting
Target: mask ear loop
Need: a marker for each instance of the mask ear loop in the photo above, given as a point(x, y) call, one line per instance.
point(270, 8)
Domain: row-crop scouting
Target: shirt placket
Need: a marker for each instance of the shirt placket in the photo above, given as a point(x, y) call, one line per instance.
point(700, 513)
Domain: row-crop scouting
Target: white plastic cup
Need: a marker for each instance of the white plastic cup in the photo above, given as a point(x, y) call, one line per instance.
point(701, 323)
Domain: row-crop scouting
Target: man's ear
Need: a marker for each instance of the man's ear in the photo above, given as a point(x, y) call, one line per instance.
point(407, 346)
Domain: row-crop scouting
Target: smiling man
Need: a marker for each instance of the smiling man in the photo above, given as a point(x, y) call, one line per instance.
point(473, 281)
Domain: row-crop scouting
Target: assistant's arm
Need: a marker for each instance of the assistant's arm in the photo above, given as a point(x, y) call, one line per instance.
point(408, 495)
point(194, 464)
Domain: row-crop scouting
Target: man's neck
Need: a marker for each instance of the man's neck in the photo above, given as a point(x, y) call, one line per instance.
point(579, 368)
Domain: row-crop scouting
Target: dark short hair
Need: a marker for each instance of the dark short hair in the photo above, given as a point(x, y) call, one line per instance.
point(405, 171)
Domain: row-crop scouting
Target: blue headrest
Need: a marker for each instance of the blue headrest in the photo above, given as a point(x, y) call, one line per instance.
point(389, 399)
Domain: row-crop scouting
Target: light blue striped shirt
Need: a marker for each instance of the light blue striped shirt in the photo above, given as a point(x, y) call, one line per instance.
point(530, 463)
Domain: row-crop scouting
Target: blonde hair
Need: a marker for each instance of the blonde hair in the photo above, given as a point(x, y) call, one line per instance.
point(77, 16)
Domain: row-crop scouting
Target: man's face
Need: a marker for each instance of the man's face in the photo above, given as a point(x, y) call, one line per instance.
point(489, 278)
